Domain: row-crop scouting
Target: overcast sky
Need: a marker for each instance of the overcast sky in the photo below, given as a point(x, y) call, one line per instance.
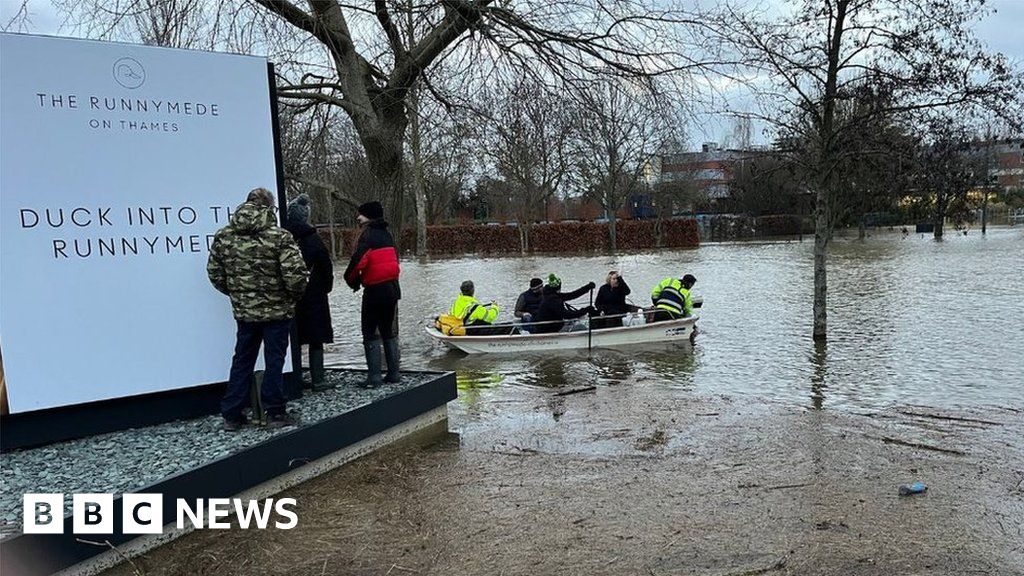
point(1001, 31)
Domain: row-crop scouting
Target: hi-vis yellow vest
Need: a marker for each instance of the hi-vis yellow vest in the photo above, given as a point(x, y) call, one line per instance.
point(670, 295)
point(465, 310)
point(470, 310)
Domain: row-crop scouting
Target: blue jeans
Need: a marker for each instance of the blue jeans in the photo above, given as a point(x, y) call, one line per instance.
point(274, 337)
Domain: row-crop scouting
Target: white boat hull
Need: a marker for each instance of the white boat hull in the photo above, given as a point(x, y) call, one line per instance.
point(658, 332)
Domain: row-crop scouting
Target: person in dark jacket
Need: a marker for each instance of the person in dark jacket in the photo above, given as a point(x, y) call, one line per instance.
point(528, 302)
point(553, 308)
point(556, 283)
point(312, 313)
point(374, 268)
point(611, 301)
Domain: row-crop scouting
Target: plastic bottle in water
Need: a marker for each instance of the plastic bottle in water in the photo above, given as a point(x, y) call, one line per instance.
point(915, 488)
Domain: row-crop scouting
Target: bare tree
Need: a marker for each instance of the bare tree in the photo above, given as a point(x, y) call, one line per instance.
point(873, 162)
point(448, 160)
point(766, 184)
point(528, 143)
point(418, 185)
point(375, 66)
point(173, 23)
point(949, 165)
point(624, 125)
point(920, 52)
point(373, 60)
point(669, 196)
point(19, 21)
point(742, 133)
point(317, 150)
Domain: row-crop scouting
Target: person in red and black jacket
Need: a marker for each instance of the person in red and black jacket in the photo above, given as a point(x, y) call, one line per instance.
point(374, 267)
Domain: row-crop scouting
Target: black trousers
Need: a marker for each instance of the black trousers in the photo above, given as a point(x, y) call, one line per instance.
point(379, 318)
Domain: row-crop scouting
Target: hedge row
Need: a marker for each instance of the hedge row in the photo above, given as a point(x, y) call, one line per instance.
point(560, 237)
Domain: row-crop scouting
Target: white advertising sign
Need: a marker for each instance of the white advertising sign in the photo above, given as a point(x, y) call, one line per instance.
point(118, 163)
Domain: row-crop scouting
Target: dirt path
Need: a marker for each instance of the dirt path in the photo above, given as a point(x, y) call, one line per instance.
point(622, 480)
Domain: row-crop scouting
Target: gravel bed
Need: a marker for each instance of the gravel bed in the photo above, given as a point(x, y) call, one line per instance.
point(127, 460)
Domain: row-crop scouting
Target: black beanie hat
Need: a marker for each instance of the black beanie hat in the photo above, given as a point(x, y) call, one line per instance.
point(372, 210)
point(535, 282)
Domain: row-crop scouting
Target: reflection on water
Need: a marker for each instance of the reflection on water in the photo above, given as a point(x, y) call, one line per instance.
point(911, 321)
point(472, 383)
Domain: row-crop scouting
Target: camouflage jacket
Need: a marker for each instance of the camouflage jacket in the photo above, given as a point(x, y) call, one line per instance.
point(258, 265)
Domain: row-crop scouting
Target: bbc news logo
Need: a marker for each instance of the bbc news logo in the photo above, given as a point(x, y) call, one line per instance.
point(144, 513)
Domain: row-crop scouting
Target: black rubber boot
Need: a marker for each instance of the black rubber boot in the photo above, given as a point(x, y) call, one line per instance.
point(373, 363)
point(393, 354)
point(316, 369)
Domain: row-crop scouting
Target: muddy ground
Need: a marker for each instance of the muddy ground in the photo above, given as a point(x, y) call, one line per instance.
point(621, 480)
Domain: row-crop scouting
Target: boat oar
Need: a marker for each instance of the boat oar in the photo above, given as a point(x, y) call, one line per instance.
point(590, 325)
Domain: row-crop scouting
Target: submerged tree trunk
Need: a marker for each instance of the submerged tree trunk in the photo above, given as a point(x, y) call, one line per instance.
point(821, 234)
point(822, 213)
point(984, 211)
point(940, 217)
point(419, 194)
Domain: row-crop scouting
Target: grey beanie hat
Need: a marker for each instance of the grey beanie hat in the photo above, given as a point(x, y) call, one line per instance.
point(298, 209)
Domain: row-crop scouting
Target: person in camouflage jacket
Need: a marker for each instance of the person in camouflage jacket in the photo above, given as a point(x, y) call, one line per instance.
point(258, 265)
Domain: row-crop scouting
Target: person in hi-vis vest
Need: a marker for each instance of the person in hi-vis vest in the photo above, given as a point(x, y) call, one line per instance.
point(672, 299)
point(470, 310)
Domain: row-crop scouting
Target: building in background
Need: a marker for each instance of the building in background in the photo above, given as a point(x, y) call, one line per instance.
point(711, 170)
point(1008, 165)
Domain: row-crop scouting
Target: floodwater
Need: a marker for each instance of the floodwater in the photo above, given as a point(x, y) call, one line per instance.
point(911, 321)
point(751, 452)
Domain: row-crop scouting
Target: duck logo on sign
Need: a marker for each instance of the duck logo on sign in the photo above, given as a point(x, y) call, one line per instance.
point(128, 72)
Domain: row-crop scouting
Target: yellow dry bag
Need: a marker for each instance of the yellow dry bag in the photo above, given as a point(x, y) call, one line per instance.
point(450, 325)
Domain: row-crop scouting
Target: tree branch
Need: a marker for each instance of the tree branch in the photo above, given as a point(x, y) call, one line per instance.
point(331, 188)
point(394, 40)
